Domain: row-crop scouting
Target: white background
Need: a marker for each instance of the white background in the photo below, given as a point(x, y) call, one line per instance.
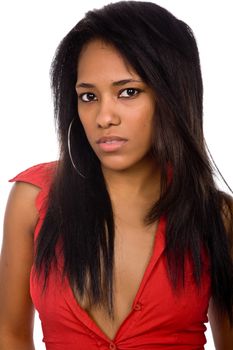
point(29, 34)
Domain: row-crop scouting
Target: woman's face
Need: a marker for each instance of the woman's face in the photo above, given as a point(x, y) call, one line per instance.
point(116, 108)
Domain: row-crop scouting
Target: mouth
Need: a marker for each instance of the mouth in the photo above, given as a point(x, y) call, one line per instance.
point(111, 143)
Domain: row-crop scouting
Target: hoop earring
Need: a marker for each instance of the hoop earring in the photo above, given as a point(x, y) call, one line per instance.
point(69, 149)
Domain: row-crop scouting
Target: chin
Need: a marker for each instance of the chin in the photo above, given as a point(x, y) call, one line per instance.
point(115, 168)
point(120, 166)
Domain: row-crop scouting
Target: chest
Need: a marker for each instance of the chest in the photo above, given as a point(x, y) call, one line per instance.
point(133, 251)
point(157, 312)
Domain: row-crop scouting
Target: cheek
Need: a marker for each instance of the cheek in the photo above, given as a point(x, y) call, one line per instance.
point(142, 134)
point(87, 130)
point(145, 122)
point(145, 113)
point(85, 123)
point(149, 124)
point(147, 130)
point(87, 119)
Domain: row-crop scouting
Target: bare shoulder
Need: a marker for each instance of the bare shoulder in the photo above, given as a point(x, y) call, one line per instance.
point(20, 219)
point(21, 203)
point(21, 216)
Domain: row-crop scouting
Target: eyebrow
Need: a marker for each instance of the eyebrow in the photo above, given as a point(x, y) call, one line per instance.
point(115, 83)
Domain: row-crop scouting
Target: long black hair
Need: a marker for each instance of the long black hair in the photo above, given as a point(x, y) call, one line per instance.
point(80, 219)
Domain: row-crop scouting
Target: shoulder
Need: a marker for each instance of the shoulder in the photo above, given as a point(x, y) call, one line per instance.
point(33, 184)
point(227, 205)
point(21, 209)
point(17, 255)
point(40, 175)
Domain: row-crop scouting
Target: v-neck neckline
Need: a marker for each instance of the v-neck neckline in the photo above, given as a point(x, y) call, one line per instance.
point(85, 318)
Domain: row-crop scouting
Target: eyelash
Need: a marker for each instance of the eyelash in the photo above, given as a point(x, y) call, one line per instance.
point(136, 92)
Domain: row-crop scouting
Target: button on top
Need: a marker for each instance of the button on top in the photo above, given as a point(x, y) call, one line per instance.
point(112, 346)
point(138, 307)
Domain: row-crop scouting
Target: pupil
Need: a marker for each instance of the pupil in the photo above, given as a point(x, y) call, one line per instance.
point(131, 91)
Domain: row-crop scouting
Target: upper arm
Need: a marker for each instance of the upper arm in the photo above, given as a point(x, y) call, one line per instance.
point(21, 216)
point(221, 330)
point(220, 325)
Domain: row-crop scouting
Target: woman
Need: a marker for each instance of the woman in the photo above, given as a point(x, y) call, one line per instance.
point(132, 239)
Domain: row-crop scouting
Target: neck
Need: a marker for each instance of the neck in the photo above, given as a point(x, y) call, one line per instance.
point(133, 193)
point(140, 183)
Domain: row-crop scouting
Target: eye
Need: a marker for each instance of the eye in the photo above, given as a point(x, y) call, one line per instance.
point(87, 97)
point(130, 92)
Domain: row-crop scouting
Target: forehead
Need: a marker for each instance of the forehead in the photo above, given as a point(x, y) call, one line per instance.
point(98, 59)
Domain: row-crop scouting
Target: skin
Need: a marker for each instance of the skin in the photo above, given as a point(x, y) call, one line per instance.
point(117, 103)
point(114, 110)
point(107, 109)
point(16, 309)
point(115, 107)
point(221, 330)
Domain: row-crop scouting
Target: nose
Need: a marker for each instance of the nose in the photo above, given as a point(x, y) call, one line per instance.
point(107, 114)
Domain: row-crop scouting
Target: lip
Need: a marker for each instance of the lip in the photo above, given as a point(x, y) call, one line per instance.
point(111, 143)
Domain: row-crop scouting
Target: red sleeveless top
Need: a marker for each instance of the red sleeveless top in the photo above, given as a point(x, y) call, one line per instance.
point(159, 319)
